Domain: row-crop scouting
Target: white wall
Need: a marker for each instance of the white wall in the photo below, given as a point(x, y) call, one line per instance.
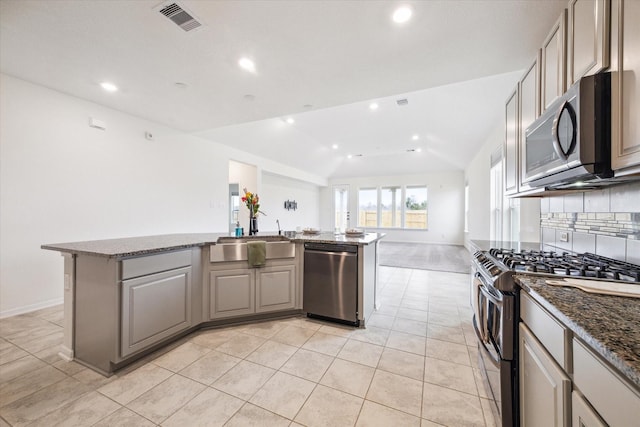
point(276, 190)
point(445, 193)
point(61, 181)
point(477, 175)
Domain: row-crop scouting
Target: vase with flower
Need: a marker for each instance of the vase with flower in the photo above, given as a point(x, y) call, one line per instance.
point(252, 201)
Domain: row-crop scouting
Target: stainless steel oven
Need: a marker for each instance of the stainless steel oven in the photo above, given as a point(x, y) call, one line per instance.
point(495, 323)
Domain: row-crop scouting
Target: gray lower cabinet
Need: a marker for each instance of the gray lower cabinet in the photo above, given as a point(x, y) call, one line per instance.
point(154, 307)
point(231, 293)
point(244, 291)
point(582, 415)
point(275, 288)
point(545, 389)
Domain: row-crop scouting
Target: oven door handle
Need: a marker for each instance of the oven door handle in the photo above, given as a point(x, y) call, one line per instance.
point(488, 295)
point(495, 355)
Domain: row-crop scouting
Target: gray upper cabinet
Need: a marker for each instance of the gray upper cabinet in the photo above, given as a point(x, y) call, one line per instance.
point(553, 66)
point(588, 38)
point(625, 93)
point(529, 110)
point(511, 163)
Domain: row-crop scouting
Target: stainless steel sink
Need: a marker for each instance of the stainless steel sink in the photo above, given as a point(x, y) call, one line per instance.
point(230, 249)
point(244, 239)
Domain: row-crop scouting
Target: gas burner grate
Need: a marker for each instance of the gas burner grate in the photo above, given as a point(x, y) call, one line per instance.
point(567, 264)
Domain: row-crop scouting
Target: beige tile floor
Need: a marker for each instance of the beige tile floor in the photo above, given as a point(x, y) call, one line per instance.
point(414, 365)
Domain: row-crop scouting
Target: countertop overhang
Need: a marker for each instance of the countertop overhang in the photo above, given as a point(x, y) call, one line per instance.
point(128, 247)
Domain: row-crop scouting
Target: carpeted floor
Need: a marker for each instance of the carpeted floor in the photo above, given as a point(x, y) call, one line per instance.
point(425, 256)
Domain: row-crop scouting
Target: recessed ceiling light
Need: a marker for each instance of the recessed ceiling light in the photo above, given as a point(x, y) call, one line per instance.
point(418, 150)
point(307, 106)
point(290, 120)
point(249, 97)
point(349, 156)
point(373, 106)
point(402, 14)
point(109, 87)
point(415, 137)
point(334, 146)
point(247, 64)
point(180, 85)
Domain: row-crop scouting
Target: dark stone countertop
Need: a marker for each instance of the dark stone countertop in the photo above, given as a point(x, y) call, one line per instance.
point(144, 245)
point(610, 325)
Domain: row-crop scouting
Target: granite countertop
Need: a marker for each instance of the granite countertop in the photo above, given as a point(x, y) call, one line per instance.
point(136, 246)
point(610, 325)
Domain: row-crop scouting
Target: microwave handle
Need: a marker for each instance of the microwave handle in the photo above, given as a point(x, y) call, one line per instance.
point(554, 130)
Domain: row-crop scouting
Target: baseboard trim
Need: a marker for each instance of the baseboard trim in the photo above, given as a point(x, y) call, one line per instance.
point(31, 307)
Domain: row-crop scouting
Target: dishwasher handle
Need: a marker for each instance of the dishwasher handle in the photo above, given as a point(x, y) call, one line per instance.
point(329, 247)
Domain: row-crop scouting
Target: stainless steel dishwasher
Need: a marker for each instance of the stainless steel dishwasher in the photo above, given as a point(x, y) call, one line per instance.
point(331, 281)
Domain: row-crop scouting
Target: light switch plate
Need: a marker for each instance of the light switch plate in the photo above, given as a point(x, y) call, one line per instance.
point(564, 237)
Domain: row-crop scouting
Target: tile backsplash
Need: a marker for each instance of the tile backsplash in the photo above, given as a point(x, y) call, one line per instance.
point(605, 222)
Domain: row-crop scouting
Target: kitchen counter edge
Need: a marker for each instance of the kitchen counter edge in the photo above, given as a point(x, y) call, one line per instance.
point(129, 247)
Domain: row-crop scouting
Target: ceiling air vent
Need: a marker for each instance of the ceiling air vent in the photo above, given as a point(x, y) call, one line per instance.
point(180, 17)
point(402, 102)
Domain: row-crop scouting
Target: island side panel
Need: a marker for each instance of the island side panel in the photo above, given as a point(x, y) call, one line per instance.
point(66, 349)
point(367, 257)
point(97, 311)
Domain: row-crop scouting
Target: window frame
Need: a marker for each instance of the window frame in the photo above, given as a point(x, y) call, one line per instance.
point(403, 208)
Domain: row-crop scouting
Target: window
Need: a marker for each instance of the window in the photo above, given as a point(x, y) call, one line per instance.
point(415, 214)
point(495, 229)
point(391, 207)
point(368, 207)
point(466, 208)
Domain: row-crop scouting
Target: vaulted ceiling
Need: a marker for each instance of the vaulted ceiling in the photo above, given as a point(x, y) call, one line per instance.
point(320, 63)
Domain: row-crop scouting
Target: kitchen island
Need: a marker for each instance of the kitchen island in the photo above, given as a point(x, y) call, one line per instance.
point(126, 297)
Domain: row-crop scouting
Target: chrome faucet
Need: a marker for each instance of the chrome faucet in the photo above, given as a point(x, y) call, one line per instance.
point(278, 222)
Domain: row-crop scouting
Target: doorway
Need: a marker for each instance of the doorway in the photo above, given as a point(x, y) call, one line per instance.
point(341, 208)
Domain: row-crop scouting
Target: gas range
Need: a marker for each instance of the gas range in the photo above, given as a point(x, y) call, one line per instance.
point(497, 266)
point(567, 264)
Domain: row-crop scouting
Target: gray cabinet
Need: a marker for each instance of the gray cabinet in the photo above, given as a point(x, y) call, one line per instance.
point(582, 414)
point(545, 389)
point(275, 288)
point(612, 397)
point(154, 307)
point(553, 63)
point(588, 38)
point(511, 149)
point(625, 90)
point(231, 293)
point(245, 291)
point(529, 110)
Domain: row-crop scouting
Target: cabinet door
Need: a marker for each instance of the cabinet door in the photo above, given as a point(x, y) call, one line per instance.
point(582, 415)
point(545, 390)
point(625, 89)
point(529, 102)
point(154, 307)
point(511, 169)
point(554, 59)
point(231, 293)
point(275, 288)
point(588, 38)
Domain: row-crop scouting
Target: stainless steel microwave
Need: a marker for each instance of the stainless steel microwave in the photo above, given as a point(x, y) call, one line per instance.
point(570, 143)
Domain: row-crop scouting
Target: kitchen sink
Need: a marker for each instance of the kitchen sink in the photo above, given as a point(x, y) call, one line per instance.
point(235, 248)
point(244, 239)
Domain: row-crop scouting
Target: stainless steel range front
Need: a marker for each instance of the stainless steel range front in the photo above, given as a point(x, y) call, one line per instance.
point(494, 297)
point(495, 301)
